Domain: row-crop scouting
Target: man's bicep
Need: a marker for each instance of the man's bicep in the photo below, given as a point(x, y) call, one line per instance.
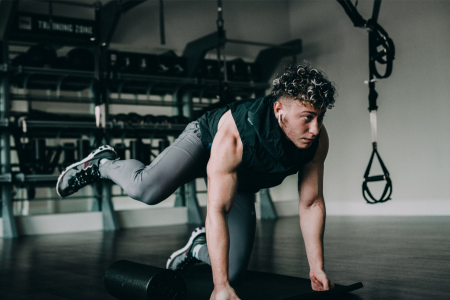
point(310, 182)
point(310, 178)
point(226, 155)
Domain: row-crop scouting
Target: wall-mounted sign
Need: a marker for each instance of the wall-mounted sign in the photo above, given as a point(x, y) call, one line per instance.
point(32, 26)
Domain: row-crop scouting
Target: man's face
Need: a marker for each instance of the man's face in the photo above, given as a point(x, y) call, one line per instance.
point(301, 123)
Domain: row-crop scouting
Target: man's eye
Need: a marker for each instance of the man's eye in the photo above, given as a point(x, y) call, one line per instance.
point(307, 118)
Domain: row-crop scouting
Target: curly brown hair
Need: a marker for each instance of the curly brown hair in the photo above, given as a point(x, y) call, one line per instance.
point(305, 84)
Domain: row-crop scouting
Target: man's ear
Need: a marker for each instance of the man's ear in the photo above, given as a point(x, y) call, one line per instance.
point(277, 106)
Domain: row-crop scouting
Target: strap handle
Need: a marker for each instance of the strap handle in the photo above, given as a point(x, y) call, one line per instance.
point(385, 177)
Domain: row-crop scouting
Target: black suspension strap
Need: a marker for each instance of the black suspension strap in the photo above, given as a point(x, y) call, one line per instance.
point(378, 38)
point(220, 45)
point(162, 31)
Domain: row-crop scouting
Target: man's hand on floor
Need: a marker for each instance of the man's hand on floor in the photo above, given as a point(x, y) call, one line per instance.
point(320, 281)
point(224, 293)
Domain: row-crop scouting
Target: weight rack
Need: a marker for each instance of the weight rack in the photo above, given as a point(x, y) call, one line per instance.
point(55, 81)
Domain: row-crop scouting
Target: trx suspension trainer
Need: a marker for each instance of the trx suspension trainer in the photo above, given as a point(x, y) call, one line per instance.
point(378, 38)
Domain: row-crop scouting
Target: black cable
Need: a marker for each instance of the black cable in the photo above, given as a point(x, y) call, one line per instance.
point(353, 14)
point(379, 37)
point(376, 10)
point(162, 32)
point(220, 38)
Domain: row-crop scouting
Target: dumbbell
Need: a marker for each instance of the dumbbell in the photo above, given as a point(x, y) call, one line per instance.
point(120, 150)
point(19, 60)
point(209, 69)
point(179, 120)
point(237, 70)
point(140, 151)
point(81, 59)
point(62, 63)
point(40, 56)
point(161, 119)
point(113, 61)
point(135, 63)
point(166, 62)
point(148, 64)
point(170, 64)
point(35, 154)
point(39, 151)
point(129, 62)
point(149, 119)
point(40, 158)
point(163, 144)
point(83, 149)
point(134, 118)
point(120, 118)
point(69, 154)
point(254, 72)
point(180, 67)
point(129, 280)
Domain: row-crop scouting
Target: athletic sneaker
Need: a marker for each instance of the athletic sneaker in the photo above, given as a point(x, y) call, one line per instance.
point(83, 172)
point(183, 258)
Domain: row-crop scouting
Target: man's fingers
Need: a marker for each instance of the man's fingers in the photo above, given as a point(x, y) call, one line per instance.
point(316, 284)
point(321, 282)
point(325, 284)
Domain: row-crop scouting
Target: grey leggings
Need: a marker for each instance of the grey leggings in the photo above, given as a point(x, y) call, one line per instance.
point(182, 162)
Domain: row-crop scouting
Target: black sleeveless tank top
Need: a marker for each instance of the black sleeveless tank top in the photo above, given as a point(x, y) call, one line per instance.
point(268, 157)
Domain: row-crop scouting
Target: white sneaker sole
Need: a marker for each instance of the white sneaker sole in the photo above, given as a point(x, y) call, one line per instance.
point(89, 157)
point(194, 234)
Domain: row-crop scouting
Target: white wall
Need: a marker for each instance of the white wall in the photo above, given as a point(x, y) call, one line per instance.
point(413, 114)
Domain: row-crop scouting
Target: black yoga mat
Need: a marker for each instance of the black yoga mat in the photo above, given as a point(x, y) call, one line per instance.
point(260, 286)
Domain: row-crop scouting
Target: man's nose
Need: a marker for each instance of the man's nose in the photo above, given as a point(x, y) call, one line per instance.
point(314, 128)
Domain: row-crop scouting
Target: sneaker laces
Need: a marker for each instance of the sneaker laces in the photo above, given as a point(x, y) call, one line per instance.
point(84, 177)
point(189, 261)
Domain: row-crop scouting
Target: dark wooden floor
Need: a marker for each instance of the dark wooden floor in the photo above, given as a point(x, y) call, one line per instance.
point(394, 257)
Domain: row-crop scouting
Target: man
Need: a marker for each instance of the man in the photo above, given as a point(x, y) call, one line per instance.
point(241, 148)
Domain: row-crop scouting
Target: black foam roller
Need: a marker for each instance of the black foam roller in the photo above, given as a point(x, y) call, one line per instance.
point(128, 280)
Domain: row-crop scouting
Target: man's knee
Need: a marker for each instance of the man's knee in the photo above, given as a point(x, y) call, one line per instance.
point(147, 195)
point(136, 194)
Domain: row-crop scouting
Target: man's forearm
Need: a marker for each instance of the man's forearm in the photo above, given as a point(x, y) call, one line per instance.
point(218, 241)
point(312, 222)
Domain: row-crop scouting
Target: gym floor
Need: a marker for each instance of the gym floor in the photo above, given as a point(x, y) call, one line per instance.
point(394, 257)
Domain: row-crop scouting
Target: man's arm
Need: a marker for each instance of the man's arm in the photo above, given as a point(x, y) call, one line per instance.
point(226, 155)
point(312, 213)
